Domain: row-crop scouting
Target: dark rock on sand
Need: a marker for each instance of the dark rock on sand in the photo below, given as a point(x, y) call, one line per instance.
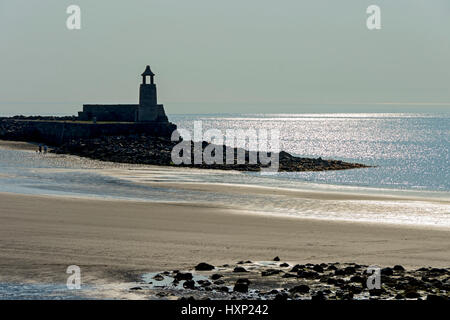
point(239, 269)
point(357, 279)
point(387, 271)
point(376, 292)
point(398, 268)
point(270, 272)
point(241, 285)
point(412, 294)
point(349, 270)
point(331, 268)
point(302, 289)
point(216, 276)
point(204, 283)
point(307, 274)
point(318, 268)
point(203, 266)
point(183, 276)
point(289, 275)
point(189, 284)
point(284, 265)
point(297, 267)
point(136, 288)
point(158, 277)
point(276, 258)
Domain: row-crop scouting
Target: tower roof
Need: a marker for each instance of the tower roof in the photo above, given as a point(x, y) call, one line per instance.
point(147, 72)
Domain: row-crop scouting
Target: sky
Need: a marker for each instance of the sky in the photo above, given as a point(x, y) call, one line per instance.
point(213, 56)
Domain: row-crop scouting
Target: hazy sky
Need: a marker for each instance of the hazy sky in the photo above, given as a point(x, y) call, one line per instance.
point(225, 56)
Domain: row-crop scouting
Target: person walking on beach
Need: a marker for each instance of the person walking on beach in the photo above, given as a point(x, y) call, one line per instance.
point(45, 148)
point(40, 148)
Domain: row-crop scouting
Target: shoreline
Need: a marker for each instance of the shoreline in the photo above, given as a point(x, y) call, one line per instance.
point(115, 241)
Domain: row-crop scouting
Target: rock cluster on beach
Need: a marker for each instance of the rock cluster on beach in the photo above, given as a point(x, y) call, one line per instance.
point(157, 151)
point(282, 281)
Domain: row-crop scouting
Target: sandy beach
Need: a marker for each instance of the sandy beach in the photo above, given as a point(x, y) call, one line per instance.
point(113, 240)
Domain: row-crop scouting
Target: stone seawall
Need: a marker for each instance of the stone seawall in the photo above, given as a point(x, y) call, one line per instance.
point(58, 132)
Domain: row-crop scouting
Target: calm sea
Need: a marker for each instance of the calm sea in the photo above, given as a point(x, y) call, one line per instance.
point(410, 150)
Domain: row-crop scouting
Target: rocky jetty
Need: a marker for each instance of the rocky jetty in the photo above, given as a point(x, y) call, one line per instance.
point(157, 151)
point(141, 148)
point(275, 280)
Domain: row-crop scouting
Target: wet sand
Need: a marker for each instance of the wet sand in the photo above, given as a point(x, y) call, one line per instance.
point(115, 240)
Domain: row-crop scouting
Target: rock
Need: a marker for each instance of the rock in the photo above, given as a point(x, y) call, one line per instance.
point(387, 271)
point(339, 272)
point(239, 269)
point(318, 268)
point(357, 279)
point(241, 285)
point(376, 292)
point(331, 268)
point(281, 296)
point(158, 277)
point(203, 266)
point(289, 275)
point(284, 265)
point(399, 296)
point(216, 276)
point(136, 288)
point(183, 276)
point(331, 281)
point(270, 272)
point(274, 291)
point(218, 282)
point(355, 289)
point(398, 268)
point(349, 270)
point(224, 289)
point(276, 258)
point(302, 289)
point(307, 274)
point(412, 294)
point(189, 284)
point(204, 283)
point(297, 267)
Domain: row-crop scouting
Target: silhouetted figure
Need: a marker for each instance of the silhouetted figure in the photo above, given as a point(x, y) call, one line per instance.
point(40, 148)
point(45, 148)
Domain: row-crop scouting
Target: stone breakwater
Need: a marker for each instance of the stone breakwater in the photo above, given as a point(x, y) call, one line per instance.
point(138, 143)
point(56, 131)
point(276, 280)
point(157, 151)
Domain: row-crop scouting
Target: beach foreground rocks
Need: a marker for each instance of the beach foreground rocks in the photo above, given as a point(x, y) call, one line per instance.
point(277, 280)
